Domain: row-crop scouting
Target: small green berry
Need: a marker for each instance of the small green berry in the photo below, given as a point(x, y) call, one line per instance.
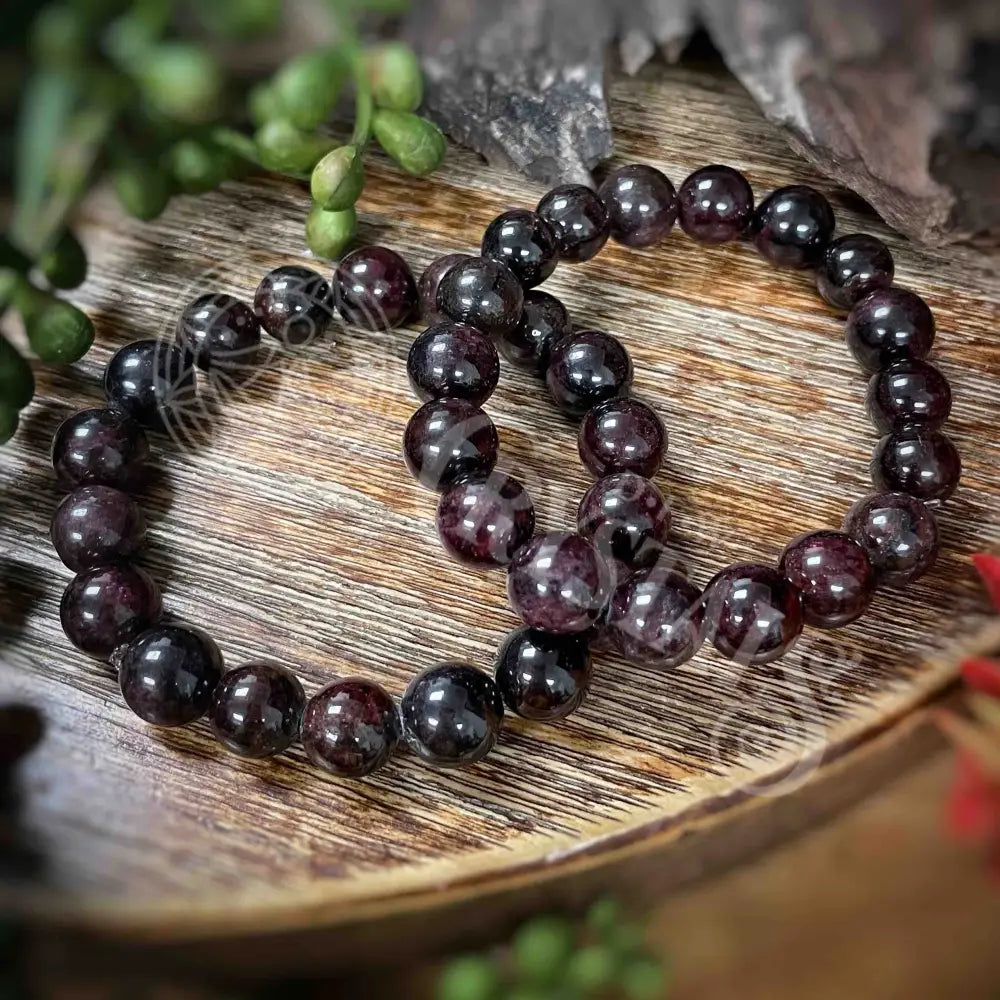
point(9, 419)
point(472, 977)
point(59, 333)
point(604, 915)
point(329, 234)
point(196, 166)
point(65, 265)
point(307, 86)
point(541, 949)
point(142, 190)
point(182, 81)
point(394, 73)
point(643, 979)
point(416, 144)
point(264, 105)
point(286, 149)
point(592, 968)
point(338, 179)
point(17, 382)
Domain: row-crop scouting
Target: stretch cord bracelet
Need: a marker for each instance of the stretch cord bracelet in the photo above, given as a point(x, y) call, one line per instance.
point(611, 577)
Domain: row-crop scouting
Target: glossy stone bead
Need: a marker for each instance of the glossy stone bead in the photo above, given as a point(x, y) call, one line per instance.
point(544, 322)
point(351, 727)
point(559, 583)
point(655, 618)
point(152, 381)
point(220, 332)
point(525, 243)
point(449, 440)
point(481, 293)
point(100, 447)
point(888, 325)
point(715, 204)
point(852, 267)
point(106, 606)
point(451, 714)
point(924, 464)
point(622, 435)
point(585, 368)
point(752, 613)
point(295, 305)
point(641, 204)
point(374, 289)
point(256, 709)
point(833, 574)
point(453, 360)
point(430, 281)
point(908, 393)
point(543, 676)
point(483, 522)
point(579, 219)
point(899, 533)
point(97, 526)
point(168, 674)
point(625, 515)
point(793, 226)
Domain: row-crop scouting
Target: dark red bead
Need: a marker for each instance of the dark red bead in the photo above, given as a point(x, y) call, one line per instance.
point(543, 676)
point(97, 526)
point(448, 441)
point(351, 727)
point(579, 219)
point(451, 714)
point(716, 204)
point(585, 368)
point(852, 267)
point(482, 293)
point(909, 393)
point(559, 583)
point(622, 435)
point(100, 447)
point(295, 305)
point(483, 522)
point(153, 382)
point(924, 464)
point(453, 360)
point(899, 534)
point(641, 204)
point(374, 289)
point(106, 606)
point(544, 321)
point(221, 333)
point(888, 325)
point(168, 673)
point(833, 574)
point(752, 613)
point(430, 281)
point(655, 619)
point(523, 242)
point(256, 709)
point(793, 226)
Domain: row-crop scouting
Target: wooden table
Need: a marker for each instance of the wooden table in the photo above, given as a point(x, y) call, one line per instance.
point(288, 526)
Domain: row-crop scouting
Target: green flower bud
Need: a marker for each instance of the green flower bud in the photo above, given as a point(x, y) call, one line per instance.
point(65, 265)
point(470, 978)
point(182, 81)
point(143, 190)
point(643, 979)
point(282, 147)
point(329, 234)
point(196, 166)
point(59, 333)
point(338, 179)
point(416, 144)
point(58, 35)
point(394, 73)
point(307, 87)
point(240, 18)
point(541, 949)
point(263, 104)
point(17, 382)
point(592, 969)
point(9, 419)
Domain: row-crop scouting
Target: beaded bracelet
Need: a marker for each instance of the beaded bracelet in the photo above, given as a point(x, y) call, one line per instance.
point(612, 576)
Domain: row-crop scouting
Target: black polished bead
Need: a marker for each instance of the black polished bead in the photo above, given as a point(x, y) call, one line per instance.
point(908, 393)
point(852, 267)
point(153, 382)
point(924, 464)
point(888, 325)
point(587, 367)
point(899, 533)
point(374, 288)
point(793, 226)
point(525, 243)
point(168, 673)
point(716, 204)
point(451, 714)
point(544, 322)
point(295, 305)
point(221, 333)
point(641, 204)
point(100, 447)
point(430, 281)
point(622, 435)
point(449, 440)
point(453, 360)
point(97, 526)
point(256, 709)
point(481, 293)
point(579, 219)
point(543, 676)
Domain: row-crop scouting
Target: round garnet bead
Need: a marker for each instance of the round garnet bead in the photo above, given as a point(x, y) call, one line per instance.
point(888, 325)
point(351, 727)
point(430, 281)
point(152, 381)
point(543, 676)
point(221, 333)
point(559, 583)
point(579, 219)
point(168, 673)
point(97, 526)
point(449, 440)
point(483, 522)
point(482, 293)
point(295, 305)
point(544, 321)
point(622, 435)
point(525, 243)
point(852, 267)
point(909, 393)
point(924, 464)
point(833, 574)
point(256, 709)
point(451, 714)
point(752, 613)
point(100, 447)
point(586, 368)
point(453, 360)
point(793, 226)
point(374, 289)
point(641, 204)
point(899, 533)
point(716, 204)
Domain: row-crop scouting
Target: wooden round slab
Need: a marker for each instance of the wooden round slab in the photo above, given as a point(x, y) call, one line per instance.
point(289, 528)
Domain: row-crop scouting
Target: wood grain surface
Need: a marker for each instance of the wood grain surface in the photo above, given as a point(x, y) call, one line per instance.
point(288, 526)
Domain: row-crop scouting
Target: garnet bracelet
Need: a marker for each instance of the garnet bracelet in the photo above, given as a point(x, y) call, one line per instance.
point(612, 577)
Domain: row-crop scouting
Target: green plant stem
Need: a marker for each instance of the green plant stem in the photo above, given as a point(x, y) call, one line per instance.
point(363, 104)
